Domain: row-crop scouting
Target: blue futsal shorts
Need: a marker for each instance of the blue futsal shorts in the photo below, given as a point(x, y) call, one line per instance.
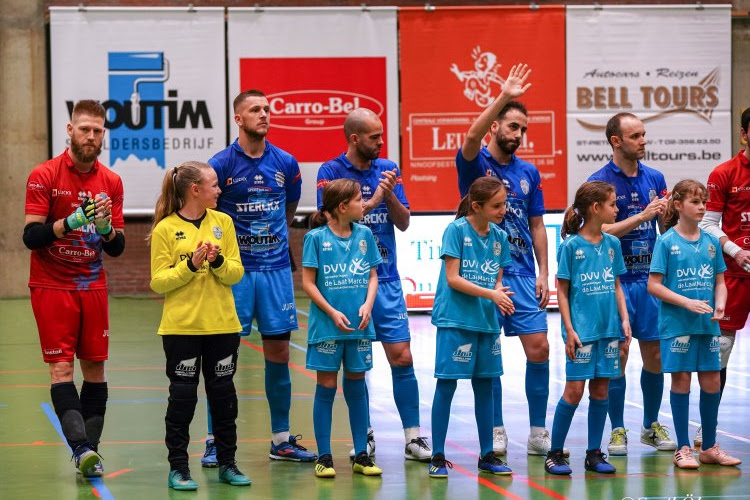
point(528, 318)
point(389, 314)
point(597, 359)
point(327, 356)
point(268, 298)
point(690, 353)
point(643, 311)
point(466, 354)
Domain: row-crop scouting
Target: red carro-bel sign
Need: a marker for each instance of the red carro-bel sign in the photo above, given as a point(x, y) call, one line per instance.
point(310, 98)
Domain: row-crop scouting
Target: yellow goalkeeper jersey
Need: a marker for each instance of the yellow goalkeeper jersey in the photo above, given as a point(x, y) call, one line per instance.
point(195, 302)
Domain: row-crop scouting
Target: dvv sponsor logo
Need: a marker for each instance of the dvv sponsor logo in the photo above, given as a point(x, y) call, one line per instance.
point(462, 354)
point(317, 109)
point(583, 354)
point(140, 110)
point(186, 367)
point(224, 367)
point(680, 345)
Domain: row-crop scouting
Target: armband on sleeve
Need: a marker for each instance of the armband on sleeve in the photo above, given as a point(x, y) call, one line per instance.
point(710, 224)
point(115, 246)
point(37, 235)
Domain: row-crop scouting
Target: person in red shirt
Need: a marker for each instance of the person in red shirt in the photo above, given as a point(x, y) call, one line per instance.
point(728, 218)
point(73, 213)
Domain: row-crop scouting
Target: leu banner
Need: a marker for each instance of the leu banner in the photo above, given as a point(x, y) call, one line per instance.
point(322, 64)
point(453, 63)
point(668, 65)
point(158, 73)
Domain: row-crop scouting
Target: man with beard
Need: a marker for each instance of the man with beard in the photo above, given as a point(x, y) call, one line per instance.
point(260, 188)
point(506, 121)
point(386, 207)
point(641, 194)
point(73, 212)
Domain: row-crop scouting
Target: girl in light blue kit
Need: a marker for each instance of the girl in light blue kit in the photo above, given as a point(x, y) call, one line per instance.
point(687, 276)
point(339, 274)
point(469, 291)
point(590, 297)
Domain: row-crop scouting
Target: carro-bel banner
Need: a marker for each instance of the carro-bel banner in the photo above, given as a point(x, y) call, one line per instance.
point(668, 65)
point(316, 65)
point(454, 61)
point(159, 72)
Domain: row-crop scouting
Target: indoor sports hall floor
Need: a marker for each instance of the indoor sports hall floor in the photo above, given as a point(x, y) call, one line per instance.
point(35, 464)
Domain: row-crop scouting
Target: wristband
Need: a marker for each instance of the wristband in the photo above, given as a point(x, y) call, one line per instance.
point(731, 248)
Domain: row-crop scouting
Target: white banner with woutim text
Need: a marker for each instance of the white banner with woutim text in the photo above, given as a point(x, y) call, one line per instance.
point(159, 72)
point(670, 65)
point(316, 65)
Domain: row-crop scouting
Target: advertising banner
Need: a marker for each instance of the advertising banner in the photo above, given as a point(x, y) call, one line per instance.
point(668, 65)
point(159, 72)
point(323, 63)
point(453, 64)
point(420, 247)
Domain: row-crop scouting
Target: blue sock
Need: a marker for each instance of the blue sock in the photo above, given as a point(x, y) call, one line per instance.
point(483, 412)
point(680, 404)
point(367, 399)
point(537, 392)
point(652, 385)
point(322, 417)
point(279, 394)
point(597, 419)
point(406, 394)
point(441, 412)
point(561, 423)
point(709, 407)
point(616, 396)
point(209, 420)
point(356, 399)
point(497, 402)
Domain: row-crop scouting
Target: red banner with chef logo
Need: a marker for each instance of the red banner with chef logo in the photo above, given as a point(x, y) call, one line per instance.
point(453, 63)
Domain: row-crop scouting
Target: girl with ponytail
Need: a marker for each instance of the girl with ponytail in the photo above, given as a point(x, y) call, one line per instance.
point(590, 297)
point(194, 261)
point(339, 274)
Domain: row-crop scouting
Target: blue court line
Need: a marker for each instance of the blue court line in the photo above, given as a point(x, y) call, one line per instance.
point(96, 482)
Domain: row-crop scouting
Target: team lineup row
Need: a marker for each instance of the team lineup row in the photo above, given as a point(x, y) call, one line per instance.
point(220, 243)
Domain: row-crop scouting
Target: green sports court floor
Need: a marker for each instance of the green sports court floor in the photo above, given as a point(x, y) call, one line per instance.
point(35, 464)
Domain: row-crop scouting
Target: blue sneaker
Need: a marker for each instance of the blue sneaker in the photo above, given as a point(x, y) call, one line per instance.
point(596, 462)
point(230, 474)
point(181, 480)
point(556, 463)
point(209, 458)
point(492, 464)
point(291, 451)
point(88, 462)
point(439, 466)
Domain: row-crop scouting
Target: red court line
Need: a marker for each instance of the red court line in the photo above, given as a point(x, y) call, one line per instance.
point(118, 473)
point(486, 483)
point(526, 480)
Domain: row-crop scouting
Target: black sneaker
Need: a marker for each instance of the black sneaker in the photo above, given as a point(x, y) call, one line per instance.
point(439, 466)
point(363, 464)
point(596, 462)
point(324, 466)
point(556, 463)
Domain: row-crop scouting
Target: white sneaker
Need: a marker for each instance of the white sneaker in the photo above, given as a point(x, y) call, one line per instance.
point(499, 441)
point(657, 436)
point(698, 439)
point(618, 442)
point(541, 444)
point(370, 445)
point(417, 449)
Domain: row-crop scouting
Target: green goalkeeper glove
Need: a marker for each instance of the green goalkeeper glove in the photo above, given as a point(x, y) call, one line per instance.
point(81, 216)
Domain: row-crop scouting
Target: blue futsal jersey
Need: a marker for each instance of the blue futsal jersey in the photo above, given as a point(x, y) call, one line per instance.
point(343, 273)
point(481, 258)
point(377, 220)
point(255, 192)
point(689, 269)
point(633, 194)
point(525, 199)
point(591, 270)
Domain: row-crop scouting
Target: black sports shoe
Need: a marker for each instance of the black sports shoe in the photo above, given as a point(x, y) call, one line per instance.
point(596, 462)
point(556, 463)
point(439, 466)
